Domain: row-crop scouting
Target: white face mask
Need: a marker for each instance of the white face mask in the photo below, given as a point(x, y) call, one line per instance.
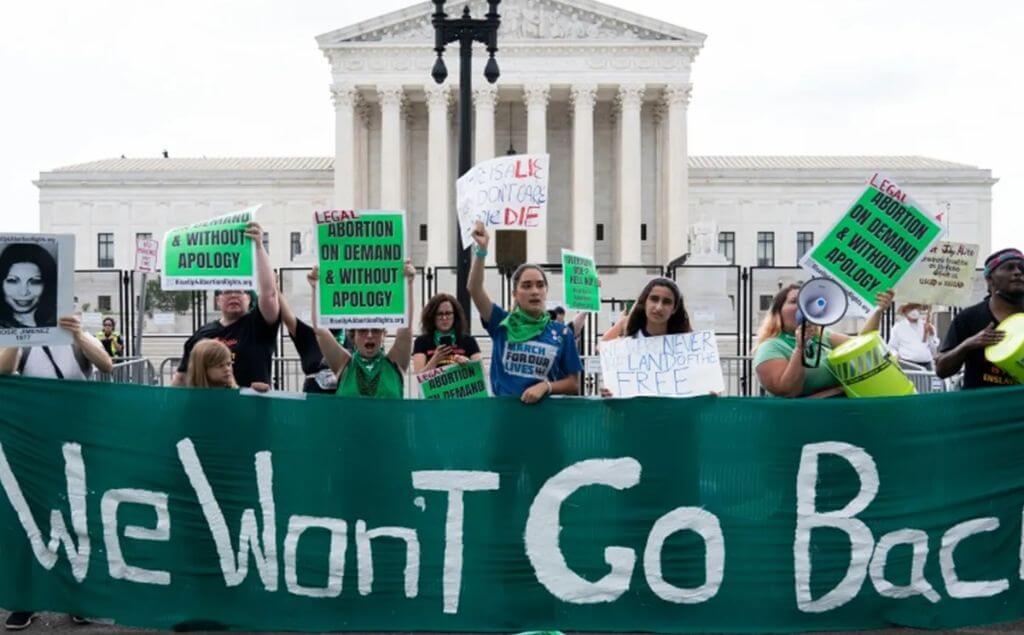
point(914, 314)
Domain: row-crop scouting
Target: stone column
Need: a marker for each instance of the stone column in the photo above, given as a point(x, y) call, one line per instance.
point(485, 98)
point(583, 97)
point(346, 99)
point(391, 184)
point(536, 98)
point(627, 227)
point(673, 235)
point(440, 212)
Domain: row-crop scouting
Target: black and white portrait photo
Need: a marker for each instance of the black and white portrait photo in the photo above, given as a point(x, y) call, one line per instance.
point(35, 287)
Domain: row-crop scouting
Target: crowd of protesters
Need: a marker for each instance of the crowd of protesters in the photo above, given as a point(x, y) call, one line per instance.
point(534, 351)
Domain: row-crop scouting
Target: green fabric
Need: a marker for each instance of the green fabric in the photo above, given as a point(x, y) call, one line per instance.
point(523, 327)
point(439, 334)
point(782, 347)
point(376, 377)
point(744, 465)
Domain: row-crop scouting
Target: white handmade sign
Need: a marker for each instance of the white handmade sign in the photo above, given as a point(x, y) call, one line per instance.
point(681, 365)
point(944, 276)
point(509, 192)
point(146, 250)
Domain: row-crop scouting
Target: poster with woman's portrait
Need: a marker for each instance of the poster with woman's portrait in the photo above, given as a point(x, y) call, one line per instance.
point(36, 288)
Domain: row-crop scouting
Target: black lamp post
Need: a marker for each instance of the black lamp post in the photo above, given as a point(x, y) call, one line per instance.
point(465, 30)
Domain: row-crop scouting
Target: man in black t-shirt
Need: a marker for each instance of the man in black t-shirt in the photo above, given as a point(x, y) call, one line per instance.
point(251, 335)
point(974, 328)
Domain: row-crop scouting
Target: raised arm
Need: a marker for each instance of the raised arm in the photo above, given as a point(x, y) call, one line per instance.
point(334, 353)
point(476, 273)
point(9, 360)
point(91, 347)
point(402, 348)
point(288, 316)
point(882, 303)
point(616, 329)
point(270, 308)
point(579, 322)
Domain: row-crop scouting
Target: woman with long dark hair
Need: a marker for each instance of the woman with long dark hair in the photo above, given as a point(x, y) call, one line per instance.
point(658, 310)
point(28, 274)
point(444, 336)
point(533, 356)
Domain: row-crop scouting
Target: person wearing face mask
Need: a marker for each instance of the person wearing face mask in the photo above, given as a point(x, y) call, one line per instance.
point(445, 337)
point(533, 357)
point(367, 371)
point(250, 335)
point(783, 340)
point(974, 328)
point(913, 339)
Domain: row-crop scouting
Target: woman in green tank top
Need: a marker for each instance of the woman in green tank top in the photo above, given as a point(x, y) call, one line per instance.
point(782, 342)
point(368, 371)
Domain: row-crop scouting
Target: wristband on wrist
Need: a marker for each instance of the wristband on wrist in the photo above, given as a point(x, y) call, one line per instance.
point(480, 252)
point(548, 382)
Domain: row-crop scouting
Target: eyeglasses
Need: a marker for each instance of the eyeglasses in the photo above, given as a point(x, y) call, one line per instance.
point(445, 313)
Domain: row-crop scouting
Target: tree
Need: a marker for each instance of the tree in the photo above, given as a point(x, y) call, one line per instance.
point(166, 301)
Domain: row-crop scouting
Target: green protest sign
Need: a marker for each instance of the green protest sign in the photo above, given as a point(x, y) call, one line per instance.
point(640, 515)
point(455, 381)
point(212, 254)
point(361, 254)
point(875, 243)
point(582, 291)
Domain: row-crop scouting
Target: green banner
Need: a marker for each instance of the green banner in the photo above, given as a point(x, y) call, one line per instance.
point(212, 254)
point(875, 243)
point(207, 509)
point(582, 291)
point(361, 254)
point(455, 381)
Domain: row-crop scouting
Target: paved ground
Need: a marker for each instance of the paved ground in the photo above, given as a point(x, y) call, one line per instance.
point(57, 623)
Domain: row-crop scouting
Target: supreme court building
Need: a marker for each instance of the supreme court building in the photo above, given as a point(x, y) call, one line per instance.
point(604, 91)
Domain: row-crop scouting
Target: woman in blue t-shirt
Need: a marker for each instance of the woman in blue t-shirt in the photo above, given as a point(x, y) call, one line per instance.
point(532, 356)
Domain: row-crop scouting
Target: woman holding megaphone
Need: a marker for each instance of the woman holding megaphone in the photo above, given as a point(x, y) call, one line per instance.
point(783, 340)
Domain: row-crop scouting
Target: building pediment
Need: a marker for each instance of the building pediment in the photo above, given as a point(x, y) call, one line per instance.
point(521, 21)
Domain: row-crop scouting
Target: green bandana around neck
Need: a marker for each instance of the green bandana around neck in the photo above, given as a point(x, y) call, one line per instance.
point(368, 370)
point(522, 327)
point(439, 334)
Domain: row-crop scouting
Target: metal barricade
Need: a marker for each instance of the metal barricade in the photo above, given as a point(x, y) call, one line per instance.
point(167, 370)
point(925, 381)
point(131, 370)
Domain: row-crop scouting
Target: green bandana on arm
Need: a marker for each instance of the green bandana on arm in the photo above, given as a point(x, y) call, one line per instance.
point(522, 327)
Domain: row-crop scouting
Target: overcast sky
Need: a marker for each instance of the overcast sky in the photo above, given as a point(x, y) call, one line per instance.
point(84, 80)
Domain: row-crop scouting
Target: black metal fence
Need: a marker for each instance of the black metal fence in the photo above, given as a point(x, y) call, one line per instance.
point(729, 299)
